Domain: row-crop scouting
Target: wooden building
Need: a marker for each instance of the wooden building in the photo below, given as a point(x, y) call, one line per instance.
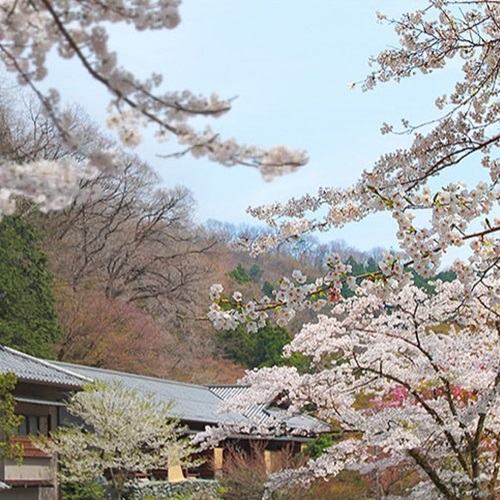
point(44, 385)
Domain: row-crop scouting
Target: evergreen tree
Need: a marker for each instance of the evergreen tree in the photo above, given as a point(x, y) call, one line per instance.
point(255, 272)
point(240, 274)
point(28, 320)
point(255, 350)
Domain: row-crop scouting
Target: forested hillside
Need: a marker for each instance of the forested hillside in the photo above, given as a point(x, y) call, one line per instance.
point(120, 278)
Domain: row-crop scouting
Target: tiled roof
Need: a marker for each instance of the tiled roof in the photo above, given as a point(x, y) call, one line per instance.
point(192, 402)
point(226, 392)
point(29, 368)
point(263, 413)
point(256, 413)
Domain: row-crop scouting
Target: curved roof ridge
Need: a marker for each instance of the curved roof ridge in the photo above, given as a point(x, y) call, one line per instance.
point(129, 374)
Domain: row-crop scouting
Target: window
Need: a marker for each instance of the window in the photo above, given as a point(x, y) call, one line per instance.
point(34, 425)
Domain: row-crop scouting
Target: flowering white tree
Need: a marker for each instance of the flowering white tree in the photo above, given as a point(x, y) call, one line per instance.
point(79, 30)
point(119, 432)
point(428, 366)
point(411, 380)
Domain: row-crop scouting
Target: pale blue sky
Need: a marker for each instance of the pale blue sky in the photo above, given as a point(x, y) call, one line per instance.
point(290, 62)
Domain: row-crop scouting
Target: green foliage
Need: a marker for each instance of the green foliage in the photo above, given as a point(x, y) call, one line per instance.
point(83, 491)
point(255, 272)
point(317, 446)
point(268, 288)
point(370, 266)
point(254, 350)
point(299, 361)
point(359, 269)
point(242, 275)
point(28, 320)
point(9, 421)
point(425, 283)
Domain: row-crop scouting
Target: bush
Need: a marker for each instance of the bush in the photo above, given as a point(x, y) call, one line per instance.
point(83, 491)
point(245, 473)
point(191, 489)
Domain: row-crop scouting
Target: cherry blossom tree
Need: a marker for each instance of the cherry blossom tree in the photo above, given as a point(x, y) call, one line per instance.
point(406, 183)
point(32, 29)
point(409, 379)
point(119, 432)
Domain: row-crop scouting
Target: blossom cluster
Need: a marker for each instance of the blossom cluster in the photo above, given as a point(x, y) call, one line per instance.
point(294, 294)
point(454, 211)
point(122, 430)
point(406, 182)
point(409, 378)
point(77, 30)
point(428, 369)
point(50, 184)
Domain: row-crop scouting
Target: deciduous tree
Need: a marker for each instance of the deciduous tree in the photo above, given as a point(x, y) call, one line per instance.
point(410, 378)
point(32, 30)
point(128, 237)
point(125, 245)
point(403, 390)
point(121, 433)
point(109, 333)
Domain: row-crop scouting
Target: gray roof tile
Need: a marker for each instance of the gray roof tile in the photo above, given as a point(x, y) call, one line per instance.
point(29, 368)
point(263, 413)
point(191, 402)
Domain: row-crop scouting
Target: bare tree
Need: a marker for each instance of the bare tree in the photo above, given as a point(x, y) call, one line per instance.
point(124, 239)
point(122, 233)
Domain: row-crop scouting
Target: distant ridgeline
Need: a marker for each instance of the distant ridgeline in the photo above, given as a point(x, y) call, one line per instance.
point(255, 274)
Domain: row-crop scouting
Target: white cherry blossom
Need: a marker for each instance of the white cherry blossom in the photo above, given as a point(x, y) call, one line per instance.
point(31, 29)
point(427, 366)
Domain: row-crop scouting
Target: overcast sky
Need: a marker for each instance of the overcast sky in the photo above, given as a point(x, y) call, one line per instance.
point(290, 63)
